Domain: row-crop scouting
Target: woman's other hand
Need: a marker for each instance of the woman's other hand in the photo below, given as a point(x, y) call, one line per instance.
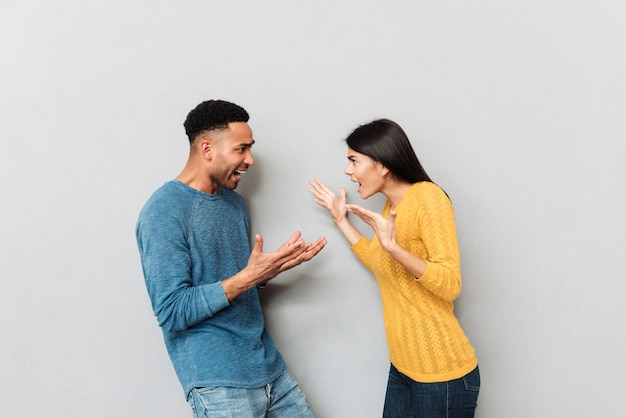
point(326, 198)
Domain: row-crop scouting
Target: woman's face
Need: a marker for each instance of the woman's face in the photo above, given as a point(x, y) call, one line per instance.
point(365, 171)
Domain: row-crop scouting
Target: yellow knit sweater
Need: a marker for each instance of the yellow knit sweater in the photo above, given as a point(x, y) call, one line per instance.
point(425, 339)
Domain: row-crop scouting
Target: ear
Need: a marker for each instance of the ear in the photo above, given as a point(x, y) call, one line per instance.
point(384, 171)
point(206, 148)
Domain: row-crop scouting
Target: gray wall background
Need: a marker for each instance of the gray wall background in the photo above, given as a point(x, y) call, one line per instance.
point(516, 108)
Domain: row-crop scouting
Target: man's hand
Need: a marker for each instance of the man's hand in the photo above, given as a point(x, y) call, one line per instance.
point(263, 267)
point(311, 251)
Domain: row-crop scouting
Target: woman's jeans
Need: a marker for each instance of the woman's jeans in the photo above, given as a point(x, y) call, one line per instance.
point(281, 398)
point(407, 398)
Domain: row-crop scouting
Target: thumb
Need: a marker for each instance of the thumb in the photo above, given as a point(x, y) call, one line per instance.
point(258, 244)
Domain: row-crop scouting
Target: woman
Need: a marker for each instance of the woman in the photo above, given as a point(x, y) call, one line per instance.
point(415, 258)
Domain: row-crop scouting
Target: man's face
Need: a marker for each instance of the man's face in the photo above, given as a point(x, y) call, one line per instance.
point(232, 155)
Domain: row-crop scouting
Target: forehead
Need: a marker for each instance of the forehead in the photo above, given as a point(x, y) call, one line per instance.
point(237, 133)
point(355, 154)
point(362, 158)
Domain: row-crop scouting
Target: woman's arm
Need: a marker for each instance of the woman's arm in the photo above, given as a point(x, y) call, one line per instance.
point(336, 206)
point(440, 273)
point(385, 230)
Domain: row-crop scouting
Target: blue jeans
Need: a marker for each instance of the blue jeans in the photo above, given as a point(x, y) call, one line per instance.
point(281, 398)
point(407, 398)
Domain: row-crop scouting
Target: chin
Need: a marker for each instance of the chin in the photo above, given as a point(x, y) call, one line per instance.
point(229, 186)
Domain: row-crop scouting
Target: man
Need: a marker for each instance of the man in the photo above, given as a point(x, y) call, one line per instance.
point(202, 278)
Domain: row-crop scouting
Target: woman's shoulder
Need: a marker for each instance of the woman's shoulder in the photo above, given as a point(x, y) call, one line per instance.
point(427, 188)
point(426, 196)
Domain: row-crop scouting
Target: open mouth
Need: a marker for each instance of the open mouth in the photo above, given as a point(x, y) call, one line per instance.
point(239, 173)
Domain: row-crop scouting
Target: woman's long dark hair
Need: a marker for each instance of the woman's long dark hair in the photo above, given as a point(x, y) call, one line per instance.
point(386, 142)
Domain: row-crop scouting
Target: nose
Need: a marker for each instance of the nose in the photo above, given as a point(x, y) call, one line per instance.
point(348, 170)
point(249, 160)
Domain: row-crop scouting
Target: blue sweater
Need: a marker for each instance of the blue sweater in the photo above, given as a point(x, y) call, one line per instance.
point(189, 241)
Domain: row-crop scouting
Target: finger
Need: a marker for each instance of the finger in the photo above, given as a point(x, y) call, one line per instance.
point(360, 212)
point(318, 244)
point(321, 240)
point(258, 244)
point(316, 248)
point(324, 193)
point(294, 238)
point(307, 255)
point(317, 185)
point(292, 259)
point(322, 198)
point(354, 209)
point(357, 213)
point(342, 194)
point(311, 250)
point(315, 193)
point(320, 201)
point(288, 265)
point(293, 246)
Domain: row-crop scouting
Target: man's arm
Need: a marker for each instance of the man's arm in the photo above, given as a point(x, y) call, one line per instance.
point(263, 267)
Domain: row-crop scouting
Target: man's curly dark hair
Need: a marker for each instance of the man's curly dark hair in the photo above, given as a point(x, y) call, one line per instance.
point(213, 115)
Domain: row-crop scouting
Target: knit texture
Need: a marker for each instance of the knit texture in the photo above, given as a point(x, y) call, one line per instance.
point(190, 241)
point(425, 339)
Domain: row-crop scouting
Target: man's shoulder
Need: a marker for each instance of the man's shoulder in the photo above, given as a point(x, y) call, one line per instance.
point(172, 189)
point(170, 195)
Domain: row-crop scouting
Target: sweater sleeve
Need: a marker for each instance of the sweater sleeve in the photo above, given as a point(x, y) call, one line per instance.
point(177, 303)
point(438, 231)
point(360, 250)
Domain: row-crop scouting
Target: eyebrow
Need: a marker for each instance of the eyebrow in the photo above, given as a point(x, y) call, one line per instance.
point(246, 144)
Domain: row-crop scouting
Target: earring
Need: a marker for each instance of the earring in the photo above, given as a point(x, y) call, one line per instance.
point(383, 174)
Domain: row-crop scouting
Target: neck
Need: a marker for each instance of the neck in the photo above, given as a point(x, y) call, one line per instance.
point(395, 191)
point(197, 179)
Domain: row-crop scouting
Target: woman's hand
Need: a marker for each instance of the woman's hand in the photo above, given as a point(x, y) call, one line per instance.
point(385, 229)
point(326, 198)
